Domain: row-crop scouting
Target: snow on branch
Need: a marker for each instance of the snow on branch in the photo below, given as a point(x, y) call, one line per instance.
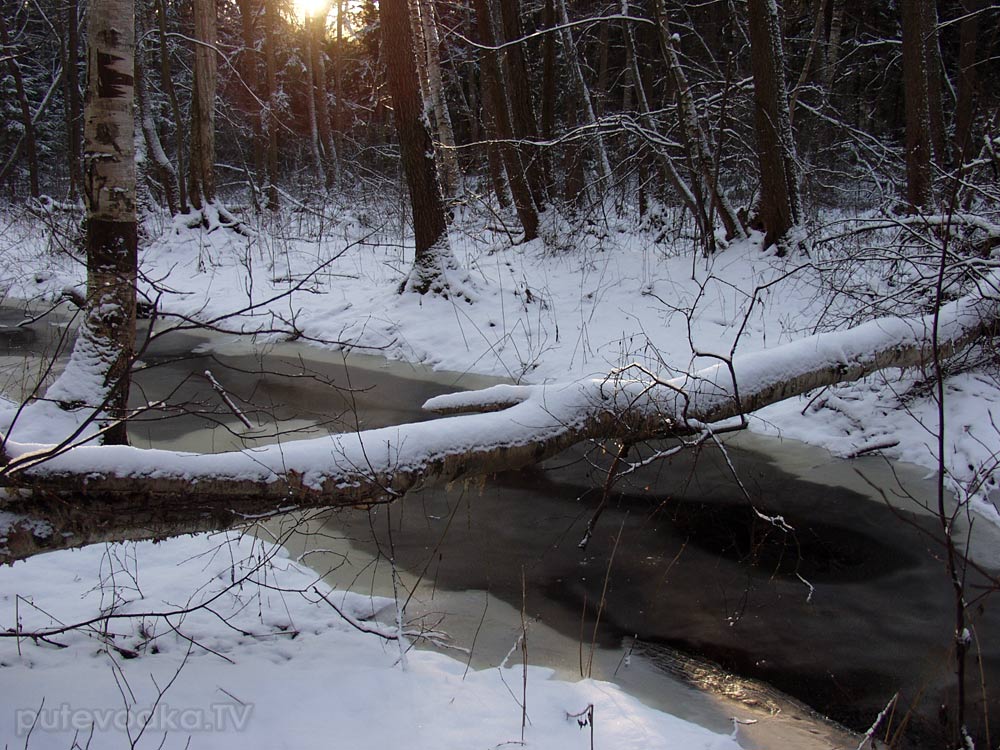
point(99, 493)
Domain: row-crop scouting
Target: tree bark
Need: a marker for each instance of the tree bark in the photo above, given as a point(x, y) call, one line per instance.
point(522, 111)
point(918, 119)
point(318, 166)
point(202, 169)
point(97, 375)
point(127, 493)
point(832, 50)
point(707, 194)
point(432, 255)
point(601, 161)
point(646, 120)
point(248, 69)
point(271, 97)
point(331, 158)
point(339, 123)
point(780, 206)
point(935, 74)
point(74, 104)
point(548, 124)
point(448, 157)
point(493, 88)
point(965, 104)
point(162, 166)
point(819, 18)
point(167, 84)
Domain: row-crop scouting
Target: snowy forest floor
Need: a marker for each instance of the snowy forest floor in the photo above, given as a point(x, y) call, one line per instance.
point(582, 301)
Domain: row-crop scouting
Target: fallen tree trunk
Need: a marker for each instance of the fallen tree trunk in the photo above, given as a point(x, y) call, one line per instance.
point(86, 494)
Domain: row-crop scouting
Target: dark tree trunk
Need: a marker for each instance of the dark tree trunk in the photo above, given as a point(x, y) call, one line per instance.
point(251, 81)
point(74, 104)
point(202, 173)
point(966, 98)
point(430, 227)
point(271, 121)
point(495, 162)
point(338, 78)
point(167, 83)
point(935, 75)
point(493, 88)
point(549, 72)
point(780, 203)
point(918, 121)
point(523, 122)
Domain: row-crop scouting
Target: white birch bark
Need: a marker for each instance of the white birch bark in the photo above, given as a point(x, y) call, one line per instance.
point(444, 130)
point(97, 374)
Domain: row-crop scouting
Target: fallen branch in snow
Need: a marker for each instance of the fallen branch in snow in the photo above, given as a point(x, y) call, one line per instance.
point(90, 494)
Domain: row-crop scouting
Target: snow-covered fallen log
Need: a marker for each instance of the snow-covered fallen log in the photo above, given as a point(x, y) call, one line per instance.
point(85, 494)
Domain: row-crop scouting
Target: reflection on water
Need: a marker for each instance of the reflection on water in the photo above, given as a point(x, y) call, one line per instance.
point(842, 609)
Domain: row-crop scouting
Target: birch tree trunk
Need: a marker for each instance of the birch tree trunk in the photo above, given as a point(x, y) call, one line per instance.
point(162, 166)
point(97, 375)
point(704, 189)
point(314, 142)
point(819, 19)
point(448, 157)
point(832, 50)
point(646, 120)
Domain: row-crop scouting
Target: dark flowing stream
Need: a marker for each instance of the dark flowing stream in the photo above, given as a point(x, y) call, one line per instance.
point(686, 592)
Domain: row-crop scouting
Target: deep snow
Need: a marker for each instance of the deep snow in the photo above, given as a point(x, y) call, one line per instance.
point(573, 308)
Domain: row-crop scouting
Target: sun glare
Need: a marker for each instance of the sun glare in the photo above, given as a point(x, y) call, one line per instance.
point(311, 8)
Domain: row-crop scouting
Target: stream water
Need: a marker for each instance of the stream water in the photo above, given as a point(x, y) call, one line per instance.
point(684, 585)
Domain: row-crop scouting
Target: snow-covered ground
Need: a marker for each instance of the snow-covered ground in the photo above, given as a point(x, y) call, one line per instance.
point(256, 656)
point(578, 306)
point(539, 312)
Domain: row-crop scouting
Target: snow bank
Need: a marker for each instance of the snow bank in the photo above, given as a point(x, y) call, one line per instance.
point(253, 657)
